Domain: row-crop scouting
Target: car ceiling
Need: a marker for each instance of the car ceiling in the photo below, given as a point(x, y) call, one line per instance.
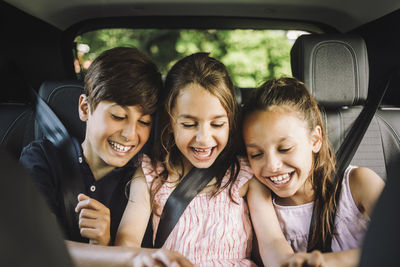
point(339, 14)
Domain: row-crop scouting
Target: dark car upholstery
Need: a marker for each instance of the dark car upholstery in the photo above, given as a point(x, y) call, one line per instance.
point(62, 97)
point(16, 112)
point(335, 69)
point(16, 127)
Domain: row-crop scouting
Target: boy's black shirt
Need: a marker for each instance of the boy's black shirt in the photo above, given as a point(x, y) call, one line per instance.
point(41, 159)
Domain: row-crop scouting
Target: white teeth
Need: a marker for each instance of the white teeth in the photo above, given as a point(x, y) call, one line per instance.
point(280, 179)
point(119, 147)
point(204, 152)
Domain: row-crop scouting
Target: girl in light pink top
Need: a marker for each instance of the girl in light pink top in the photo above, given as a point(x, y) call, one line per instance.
point(290, 154)
point(198, 128)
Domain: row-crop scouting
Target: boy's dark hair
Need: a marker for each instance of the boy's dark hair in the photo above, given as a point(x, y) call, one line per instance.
point(126, 76)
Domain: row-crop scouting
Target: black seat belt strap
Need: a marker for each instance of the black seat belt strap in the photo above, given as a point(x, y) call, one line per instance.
point(71, 182)
point(347, 150)
point(180, 198)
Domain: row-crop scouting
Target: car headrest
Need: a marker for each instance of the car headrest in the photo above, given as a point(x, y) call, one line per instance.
point(334, 68)
point(63, 97)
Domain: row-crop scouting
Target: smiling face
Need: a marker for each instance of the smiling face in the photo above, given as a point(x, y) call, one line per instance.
point(114, 133)
point(280, 149)
point(200, 125)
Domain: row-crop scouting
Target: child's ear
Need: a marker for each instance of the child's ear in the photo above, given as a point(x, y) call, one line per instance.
point(316, 139)
point(83, 107)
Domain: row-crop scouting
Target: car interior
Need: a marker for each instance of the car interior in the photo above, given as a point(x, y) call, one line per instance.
point(348, 55)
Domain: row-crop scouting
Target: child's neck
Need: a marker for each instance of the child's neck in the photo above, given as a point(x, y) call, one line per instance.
point(304, 195)
point(98, 167)
point(187, 166)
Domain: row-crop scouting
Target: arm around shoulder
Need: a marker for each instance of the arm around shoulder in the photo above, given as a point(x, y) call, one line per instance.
point(271, 242)
point(137, 213)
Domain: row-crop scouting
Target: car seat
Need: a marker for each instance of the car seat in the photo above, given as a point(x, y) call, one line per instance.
point(62, 97)
point(16, 112)
point(334, 68)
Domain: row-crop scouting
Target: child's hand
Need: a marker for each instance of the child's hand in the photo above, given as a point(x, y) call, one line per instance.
point(94, 220)
point(313, 259)
point(160, 257)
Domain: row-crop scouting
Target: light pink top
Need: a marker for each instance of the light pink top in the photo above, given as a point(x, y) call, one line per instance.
point(350, 223)
point(211, 231)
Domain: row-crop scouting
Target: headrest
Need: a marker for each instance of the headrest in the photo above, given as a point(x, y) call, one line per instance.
point(63, 97)
point(334, 68)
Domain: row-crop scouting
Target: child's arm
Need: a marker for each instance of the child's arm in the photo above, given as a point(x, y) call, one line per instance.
point(271, 241)
point(366, 187)
point(316, 258)
point(137, 213)
point(86, 255)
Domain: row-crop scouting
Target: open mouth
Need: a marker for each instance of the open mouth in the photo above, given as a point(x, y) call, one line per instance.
point(119, 147)
point(202, 153)
point(282, 178)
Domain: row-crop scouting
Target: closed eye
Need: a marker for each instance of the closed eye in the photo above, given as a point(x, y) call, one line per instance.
point(256, 155)
point(188, 125)
point(118, 118)
point(285, 150)
point(145, 123)
point(218, 125)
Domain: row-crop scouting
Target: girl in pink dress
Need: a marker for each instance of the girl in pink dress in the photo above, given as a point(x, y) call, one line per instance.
point(290, 154)
point(198, 127)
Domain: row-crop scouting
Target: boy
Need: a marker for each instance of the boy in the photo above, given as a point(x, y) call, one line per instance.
point(121, 94)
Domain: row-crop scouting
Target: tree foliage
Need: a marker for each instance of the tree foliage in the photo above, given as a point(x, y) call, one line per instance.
point(251, 56)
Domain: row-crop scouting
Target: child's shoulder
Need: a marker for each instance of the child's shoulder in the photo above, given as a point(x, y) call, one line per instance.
point(361, 178)
point(244, 164)
point(39, 147)
point(245, 171)
point(365, 186)
point(148, 166)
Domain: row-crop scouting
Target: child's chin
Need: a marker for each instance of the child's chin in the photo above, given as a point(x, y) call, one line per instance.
point(202, 164)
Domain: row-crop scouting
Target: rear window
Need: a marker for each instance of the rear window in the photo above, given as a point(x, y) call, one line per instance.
point(251, 56)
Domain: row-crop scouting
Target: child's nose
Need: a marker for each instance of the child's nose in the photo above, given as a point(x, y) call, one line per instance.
point(273, 163)
point(129, 133)
point(203, 135)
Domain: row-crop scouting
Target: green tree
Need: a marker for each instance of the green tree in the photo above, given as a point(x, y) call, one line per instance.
point(251, 56)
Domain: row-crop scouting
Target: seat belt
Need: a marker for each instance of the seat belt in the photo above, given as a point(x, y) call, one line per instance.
point(71, 182)
point(183, 194)
point(346, 153)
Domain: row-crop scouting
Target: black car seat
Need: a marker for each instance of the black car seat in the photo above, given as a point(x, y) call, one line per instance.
point(16, 129)
point(62, 97)
point(335, 69)
point(16, 112)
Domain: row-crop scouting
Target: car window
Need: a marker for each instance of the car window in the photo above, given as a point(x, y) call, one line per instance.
point(250, 55)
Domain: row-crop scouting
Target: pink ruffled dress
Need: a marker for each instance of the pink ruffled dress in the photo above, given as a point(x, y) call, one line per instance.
point(211, 231)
